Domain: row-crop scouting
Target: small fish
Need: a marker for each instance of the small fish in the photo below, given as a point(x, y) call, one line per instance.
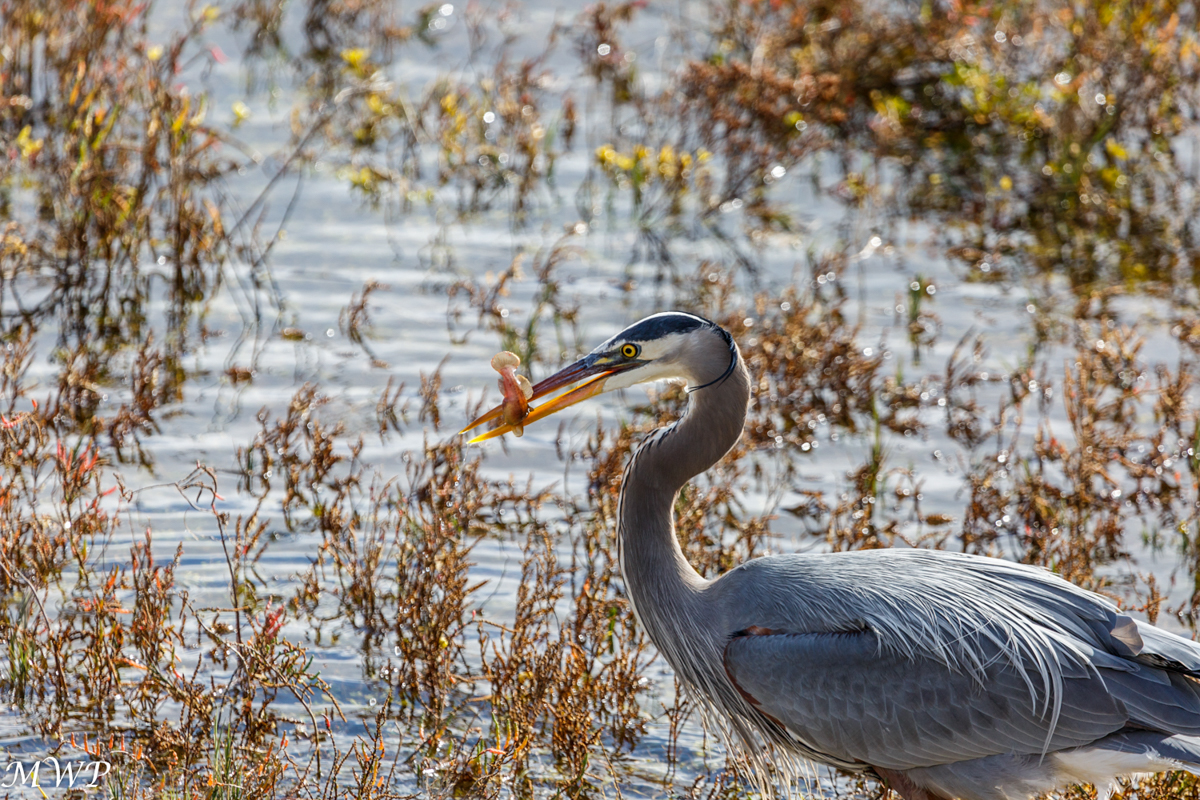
point(516, 390)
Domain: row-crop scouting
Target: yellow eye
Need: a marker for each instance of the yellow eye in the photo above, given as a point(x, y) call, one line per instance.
point(630, 350)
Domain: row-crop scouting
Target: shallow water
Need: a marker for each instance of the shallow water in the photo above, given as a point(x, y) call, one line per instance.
point(335, 244)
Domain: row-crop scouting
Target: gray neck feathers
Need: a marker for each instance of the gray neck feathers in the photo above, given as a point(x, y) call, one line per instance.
point(669, 597)
point(667, 593)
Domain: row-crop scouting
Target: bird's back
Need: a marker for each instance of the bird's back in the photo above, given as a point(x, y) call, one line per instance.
point(906, 661)
point(926, 602)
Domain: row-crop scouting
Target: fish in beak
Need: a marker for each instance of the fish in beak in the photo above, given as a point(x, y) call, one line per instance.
point(593, 370)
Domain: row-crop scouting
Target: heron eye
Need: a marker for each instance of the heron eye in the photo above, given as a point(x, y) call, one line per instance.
point(630, 350)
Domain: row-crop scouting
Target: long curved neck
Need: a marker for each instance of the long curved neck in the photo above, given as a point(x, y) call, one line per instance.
point(662, 584)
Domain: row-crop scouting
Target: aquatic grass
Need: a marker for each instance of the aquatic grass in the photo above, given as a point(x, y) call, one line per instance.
point(1047, 136)
point(115, 171)
point(494, 141)
point(551, 305)
point(484, 698)
point(1059, 464)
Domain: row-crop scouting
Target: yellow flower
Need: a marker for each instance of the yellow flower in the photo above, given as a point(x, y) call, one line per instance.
point(363, 179)
point(29, 146)
point(668, 166)
point(1115, 150)
point(355, 57)
point(12, 245)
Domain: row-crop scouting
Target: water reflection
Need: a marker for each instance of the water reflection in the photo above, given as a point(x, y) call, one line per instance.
point(956, 248)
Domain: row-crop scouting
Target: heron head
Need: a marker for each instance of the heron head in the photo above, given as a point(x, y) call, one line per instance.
point(670, 345)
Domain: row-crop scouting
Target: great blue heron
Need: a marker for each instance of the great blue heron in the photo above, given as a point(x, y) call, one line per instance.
point(944, 674)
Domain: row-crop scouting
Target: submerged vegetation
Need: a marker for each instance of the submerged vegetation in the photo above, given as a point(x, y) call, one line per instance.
point(1043, 154)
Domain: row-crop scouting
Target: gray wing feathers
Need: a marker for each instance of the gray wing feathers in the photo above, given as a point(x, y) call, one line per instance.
point(1170, 708)
point(1153, 673)
point(1184, 750)
point(844, 696)
point(952, 657)
point(1163, 649)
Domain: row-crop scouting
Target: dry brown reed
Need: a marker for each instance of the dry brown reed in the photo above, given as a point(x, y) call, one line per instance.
point(109, 187)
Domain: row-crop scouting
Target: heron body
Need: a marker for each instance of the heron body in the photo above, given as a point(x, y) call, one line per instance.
point(944, 674)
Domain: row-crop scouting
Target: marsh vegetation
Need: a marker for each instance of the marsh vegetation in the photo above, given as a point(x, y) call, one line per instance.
point(243, 553)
